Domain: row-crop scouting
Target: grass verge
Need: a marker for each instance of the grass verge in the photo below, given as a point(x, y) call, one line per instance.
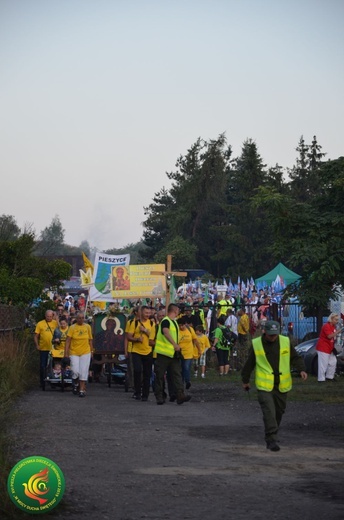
point(307, 391)
point(17, 362)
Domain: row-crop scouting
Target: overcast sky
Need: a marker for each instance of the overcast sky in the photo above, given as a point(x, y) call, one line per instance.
point(98, 98)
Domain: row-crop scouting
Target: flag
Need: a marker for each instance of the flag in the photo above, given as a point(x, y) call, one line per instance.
point(173, 290)
point(87, 263)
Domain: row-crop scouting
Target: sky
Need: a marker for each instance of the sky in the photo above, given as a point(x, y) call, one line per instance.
point(99, 98)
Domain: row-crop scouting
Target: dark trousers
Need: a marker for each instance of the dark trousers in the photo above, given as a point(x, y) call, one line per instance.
point(142, 365)
point(273, 405)
point(43, 360)
point(174, 367)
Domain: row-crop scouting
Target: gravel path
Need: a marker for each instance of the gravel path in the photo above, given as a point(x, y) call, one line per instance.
point(126, 460)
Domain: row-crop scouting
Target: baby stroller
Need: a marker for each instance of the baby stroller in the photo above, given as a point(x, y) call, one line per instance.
point(58, 373)
point(117, 372)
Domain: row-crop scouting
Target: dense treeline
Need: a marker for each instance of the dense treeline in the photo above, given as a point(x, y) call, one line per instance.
point(235, 216)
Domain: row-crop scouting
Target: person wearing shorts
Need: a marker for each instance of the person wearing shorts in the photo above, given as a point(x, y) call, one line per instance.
point(222, 350)
point(204, 344)
point(79, 348)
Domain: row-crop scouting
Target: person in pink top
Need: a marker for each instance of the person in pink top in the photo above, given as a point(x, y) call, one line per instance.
point(327, 359)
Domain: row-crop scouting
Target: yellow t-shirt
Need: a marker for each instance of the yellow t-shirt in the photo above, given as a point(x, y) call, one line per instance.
point(244, 325)
point(204, 344)
point(59, 348)
point(185, 341)
point(46, 331)
point(141, 348)
point(127, 328)
point(80, 336)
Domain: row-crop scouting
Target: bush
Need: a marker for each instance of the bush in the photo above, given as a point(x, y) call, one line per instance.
point(17, 373)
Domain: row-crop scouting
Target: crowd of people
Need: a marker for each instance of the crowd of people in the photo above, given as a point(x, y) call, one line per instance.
point(165, 348)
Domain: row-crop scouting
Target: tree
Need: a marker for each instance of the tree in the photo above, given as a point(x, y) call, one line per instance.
point(134, 250)
point(242, 236)
point(9, 230)
point(24, 276)
point(85, 247)
point(156, 225)
point(312, 236)
point(304, 182)
point(51, 239)
point(194, 202)
point(183, 252)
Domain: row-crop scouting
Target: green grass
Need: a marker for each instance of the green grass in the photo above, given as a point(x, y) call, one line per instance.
point(307, 391)
point(17, 373)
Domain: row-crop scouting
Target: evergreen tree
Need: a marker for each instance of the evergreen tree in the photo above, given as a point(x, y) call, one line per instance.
point(51, 239)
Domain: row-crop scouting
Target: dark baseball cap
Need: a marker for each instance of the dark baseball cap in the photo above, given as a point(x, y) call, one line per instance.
point(271, 328)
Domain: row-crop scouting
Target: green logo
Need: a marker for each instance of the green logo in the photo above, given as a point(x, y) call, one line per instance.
point(36, 485)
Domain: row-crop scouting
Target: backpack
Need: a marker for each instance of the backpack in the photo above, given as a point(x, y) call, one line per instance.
point(228, 337)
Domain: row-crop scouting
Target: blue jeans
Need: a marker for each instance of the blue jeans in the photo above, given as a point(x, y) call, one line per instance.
point(186, 370)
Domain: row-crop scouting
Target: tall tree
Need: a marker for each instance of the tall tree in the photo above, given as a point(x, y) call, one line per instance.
point(304, 177)
point(244, 232)
point(156, 226)
point(9, 230)
point(51, 239)
point(312, 236)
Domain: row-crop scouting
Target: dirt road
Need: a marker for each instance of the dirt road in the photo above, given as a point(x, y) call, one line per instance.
point(206, 459)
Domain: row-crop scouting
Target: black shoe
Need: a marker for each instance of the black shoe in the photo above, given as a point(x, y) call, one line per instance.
point(144, 399)
point(137, 397)
point(188, 384)
point(160, 401)
point(75, 389)
point(331, 380)
point(172, 398)
point(272, 445)
point(183, 399)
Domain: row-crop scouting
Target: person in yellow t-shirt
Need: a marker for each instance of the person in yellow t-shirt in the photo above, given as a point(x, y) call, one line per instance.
point(128, 348)
point(43, 339)
point(141, 353)
point(204, 344)
point(79, 347)
point(187, 341)
point(243, 336)
point(59, 338)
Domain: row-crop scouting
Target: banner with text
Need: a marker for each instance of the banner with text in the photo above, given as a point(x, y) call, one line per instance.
point(102, 275)
point(137, 281)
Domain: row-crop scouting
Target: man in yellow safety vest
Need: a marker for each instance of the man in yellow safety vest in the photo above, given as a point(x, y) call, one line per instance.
point(271, 356)
point(168, 356)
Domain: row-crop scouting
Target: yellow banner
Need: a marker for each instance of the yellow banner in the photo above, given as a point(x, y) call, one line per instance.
point(136, 281)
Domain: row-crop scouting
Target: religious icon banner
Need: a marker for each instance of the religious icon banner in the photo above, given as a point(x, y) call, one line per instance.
point(137, 281)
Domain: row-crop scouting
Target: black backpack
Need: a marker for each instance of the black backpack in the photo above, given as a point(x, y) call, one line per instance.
point(228, 337)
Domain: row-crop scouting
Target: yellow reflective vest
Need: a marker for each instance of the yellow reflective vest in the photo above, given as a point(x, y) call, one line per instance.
point(264, 374)
point(162, 345)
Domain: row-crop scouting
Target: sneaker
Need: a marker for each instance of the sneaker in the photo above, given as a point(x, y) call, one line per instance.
point(75, 389)
point(195, 374)
point(144, 399)
point(272, 445)
point(172, 398)
point(160, 401)
point(203, 376)
point(137, 397)
point(188, 384)
point(82, 394)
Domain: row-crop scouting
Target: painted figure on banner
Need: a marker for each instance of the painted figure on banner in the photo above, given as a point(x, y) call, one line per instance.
point(120, 279)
